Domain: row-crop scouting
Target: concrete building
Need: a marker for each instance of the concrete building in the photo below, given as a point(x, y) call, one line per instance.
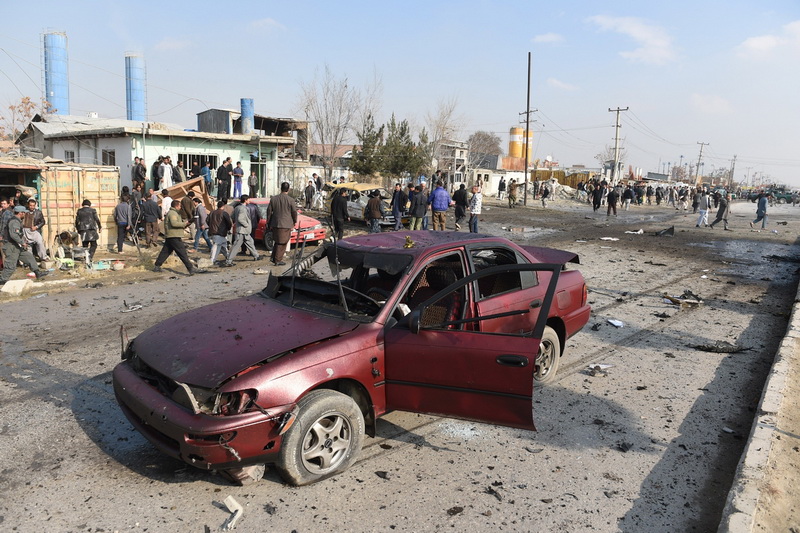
point(116, 142)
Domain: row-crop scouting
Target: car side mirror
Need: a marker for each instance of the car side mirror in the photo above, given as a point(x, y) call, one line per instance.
point(414, 321)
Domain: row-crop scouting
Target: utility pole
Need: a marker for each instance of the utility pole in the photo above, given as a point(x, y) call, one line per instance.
point(616, 144)
point(527, 114)
point(702, 145)
point(733, 166)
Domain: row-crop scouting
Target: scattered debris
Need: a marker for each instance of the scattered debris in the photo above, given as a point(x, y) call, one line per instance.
point(129, 308)
point(669, 232)
point(655, 264)
point(234, 507)
point(720, 347)
point(662, 315)
point(455, 510)
point(74, 303)
point(641, 387)
point(533, 450)
point(624, 447)
point(608, 239)
point(610, 493)
point(688, 297)
point(615, 323)
point(638, 232)
point(726, 429)
point(547, 500)
point(782, 223)
point(598, 369)
point(580, 240)
point(492, 492)
point(382, 474)
point(386, 446)
point(596, 327)
point(261, 271)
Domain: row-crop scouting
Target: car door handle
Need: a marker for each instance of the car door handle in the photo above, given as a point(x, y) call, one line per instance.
point(536, 304)
point(512, 360)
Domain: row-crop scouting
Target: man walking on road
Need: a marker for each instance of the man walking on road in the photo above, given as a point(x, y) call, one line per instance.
point(244, 227)
point(281, 218)
point(219, 225)
point(761, 210)
point(173, 242)
point(723, 210)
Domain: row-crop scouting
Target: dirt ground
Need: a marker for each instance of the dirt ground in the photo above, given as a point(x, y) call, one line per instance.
point(649, 444)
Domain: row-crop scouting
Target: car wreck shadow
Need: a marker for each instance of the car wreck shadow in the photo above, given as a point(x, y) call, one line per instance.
point(594, 422)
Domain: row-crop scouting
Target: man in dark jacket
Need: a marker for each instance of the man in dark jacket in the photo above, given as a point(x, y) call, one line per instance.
point(219, 225)
point(281, 218)
point(419, 207)
point(224, 181)
point(611, 200)
point(339, 212)
point(398, 205)
point(309, 192)
point(461, 200)
point(15, 248)
point(152, 214)
point(88, 225)
point(373, 213)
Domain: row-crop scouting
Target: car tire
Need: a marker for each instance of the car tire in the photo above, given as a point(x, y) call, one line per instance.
point(324, 440)
point(269, 241)
point(781, 200)
point(548, 358)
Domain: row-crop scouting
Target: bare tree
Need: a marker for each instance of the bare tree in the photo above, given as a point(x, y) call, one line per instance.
point(480, 145)
point(18, 116)
point(331, 105)
point(443, 125)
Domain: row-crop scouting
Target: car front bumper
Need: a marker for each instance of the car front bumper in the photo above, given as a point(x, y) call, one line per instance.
point(204, 441)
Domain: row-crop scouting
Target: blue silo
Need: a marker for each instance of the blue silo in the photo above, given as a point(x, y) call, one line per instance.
point(135, 104)
point(248, 115)
point(56, 75)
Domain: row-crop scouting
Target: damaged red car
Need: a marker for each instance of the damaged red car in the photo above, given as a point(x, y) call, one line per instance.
point(451, 324)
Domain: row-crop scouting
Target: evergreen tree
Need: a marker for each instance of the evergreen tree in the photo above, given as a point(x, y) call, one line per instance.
point(366, 160)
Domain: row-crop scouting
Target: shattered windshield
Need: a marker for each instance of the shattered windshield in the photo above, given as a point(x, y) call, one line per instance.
point(367, 280)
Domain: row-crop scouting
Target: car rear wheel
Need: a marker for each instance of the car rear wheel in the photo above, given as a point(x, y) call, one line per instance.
point(548, 357)
point(324, 440)
point(269, 241)
point(781, 200)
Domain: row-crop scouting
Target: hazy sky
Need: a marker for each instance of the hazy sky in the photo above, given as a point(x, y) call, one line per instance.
point(725, 73)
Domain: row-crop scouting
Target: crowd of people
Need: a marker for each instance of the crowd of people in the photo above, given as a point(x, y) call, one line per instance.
point(231, 227)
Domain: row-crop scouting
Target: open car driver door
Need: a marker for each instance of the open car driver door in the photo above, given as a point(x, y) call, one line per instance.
point(436, 364)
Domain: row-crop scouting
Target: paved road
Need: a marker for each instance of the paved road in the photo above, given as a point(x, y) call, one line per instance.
point(650, 445)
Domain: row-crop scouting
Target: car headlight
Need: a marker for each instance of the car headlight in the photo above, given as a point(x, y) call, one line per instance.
point(234, 403)
point(312, 228)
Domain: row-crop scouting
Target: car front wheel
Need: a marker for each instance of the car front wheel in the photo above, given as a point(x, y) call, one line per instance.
point(548, 357)
point(324, 440)
point(269, 241)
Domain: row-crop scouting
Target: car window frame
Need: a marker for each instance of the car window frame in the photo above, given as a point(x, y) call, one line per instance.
point(528, 279)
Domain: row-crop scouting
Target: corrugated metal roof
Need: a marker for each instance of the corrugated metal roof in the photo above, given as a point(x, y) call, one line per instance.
point(58, 126)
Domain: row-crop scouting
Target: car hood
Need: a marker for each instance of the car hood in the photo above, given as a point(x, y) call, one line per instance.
point(206, 346)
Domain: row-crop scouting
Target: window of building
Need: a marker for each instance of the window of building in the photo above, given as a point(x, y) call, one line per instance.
point(189, 159)
point(110, 158)
point(69, 156)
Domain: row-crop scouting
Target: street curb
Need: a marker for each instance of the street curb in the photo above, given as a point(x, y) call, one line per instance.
point(738, 516)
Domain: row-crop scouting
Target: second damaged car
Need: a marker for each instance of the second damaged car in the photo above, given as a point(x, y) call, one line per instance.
point(429, 322)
